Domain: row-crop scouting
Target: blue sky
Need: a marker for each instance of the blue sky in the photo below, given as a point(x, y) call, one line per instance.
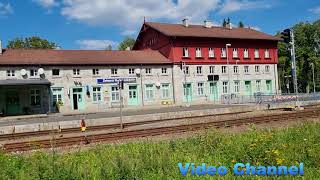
point(93, 24)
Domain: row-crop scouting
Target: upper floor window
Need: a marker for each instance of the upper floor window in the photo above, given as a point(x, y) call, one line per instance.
point(256, 53)
point(267, 69)
point(95, 71)
point(33, 72)
point(76, 72)
point(114, 71)
point(199, 70)
point(211, 53)
point(186, 70)
point(164, 70)
point(198, 52)
point(246, 53)
point(185, 52)
point(257, 69)
point(235, 53)
point(266, 53)
point(131, 71)
point(246, 69)
point(55, 72)
point(223, 69)
point(11, 73)
point(235, 69)
point(211, 69)
point(148, 70)
point(223, 53)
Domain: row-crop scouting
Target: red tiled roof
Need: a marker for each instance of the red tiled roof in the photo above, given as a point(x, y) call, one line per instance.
point(214, 32)
point(79, 57)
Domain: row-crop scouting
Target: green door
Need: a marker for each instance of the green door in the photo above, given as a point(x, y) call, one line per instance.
point(187, 92)
point(213, 91)
point(78, 99)
point(269, 87)
point(13, 103)
point(248, 88)
point(133, 95)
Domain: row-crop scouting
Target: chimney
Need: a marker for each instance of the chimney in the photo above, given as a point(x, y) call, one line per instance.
point(229, 25)
point(0, 47)
point(207, 24)
point(185, 22)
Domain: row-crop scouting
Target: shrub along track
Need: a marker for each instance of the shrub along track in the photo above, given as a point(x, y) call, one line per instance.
point(114, 136)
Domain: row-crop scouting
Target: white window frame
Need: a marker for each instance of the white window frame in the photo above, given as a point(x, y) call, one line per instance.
point(57, 95)
point(76, 71)
point(246, 69)
point(266, 53)
point(236, 69)
point(211, 53)
point(211, 69)
point(37, 97)
point(149, 92)
point(267, 69)
point(11, 73)
point(96, 93)
point(34, 73)
point(225, 87)
point(165, 91)
point(245, 53)
point(199, 70)
point(236, 87)
point(148, 71)
point(200, 88)
point(114, 71)
point(235, 53)
point(164, 71)
point(95, 71)
point(257, 69)
point(256, 53)
point(223, 53)
point(131, 71)
point(185, 52)
point(224, 69)
point(198, 53)
point(115, 93)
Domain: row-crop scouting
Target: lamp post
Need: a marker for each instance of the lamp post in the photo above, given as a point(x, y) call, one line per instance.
point(227, 55)
point(314, 83)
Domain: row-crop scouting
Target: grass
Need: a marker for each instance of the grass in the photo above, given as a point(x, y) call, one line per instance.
point(158, 160)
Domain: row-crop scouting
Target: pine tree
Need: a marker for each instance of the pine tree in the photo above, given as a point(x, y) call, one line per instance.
point(241, 25)
point(224, 23)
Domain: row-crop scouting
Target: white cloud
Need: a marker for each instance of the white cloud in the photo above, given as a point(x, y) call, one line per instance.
point(230, 6)
point(46, 3)
point(255, 28)
point(96, 44)
point(128, 14)
point(315, 10)
point(5, 9)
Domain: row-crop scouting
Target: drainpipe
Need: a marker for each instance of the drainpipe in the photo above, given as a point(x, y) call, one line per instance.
point(173, 85)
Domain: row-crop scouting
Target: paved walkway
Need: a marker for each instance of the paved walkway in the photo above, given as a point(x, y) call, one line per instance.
point(126, 112)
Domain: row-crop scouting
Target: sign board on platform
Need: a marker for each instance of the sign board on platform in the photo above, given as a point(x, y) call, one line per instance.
point(116, 79)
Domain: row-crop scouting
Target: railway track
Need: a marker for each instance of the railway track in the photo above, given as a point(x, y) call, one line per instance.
point(109, 137)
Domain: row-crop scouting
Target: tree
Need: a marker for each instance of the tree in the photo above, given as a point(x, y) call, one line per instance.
point(241, 25)
point(224, 23)
point(127, 42)
point(33, 42)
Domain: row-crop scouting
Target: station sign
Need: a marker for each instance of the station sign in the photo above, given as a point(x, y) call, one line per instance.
point(116, 80)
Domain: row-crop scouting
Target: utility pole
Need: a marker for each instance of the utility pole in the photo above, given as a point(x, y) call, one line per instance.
point(120, 86)
point(294, 68)
point(314, 82)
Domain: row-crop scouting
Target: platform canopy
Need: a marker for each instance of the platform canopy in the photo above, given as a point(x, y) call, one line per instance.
point(19, 82)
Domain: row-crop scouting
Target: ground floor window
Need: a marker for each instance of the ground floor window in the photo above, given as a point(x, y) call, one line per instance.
point(165, 88)
point(225, 87)
point(149, 92)
point(57, 96)
point(35, 99)
point(200, 89)
point(258, 86)
point(236, 86)
point(115, 95)
point(96, 94)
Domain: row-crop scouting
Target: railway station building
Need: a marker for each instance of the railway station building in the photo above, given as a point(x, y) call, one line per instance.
point(170, 64)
